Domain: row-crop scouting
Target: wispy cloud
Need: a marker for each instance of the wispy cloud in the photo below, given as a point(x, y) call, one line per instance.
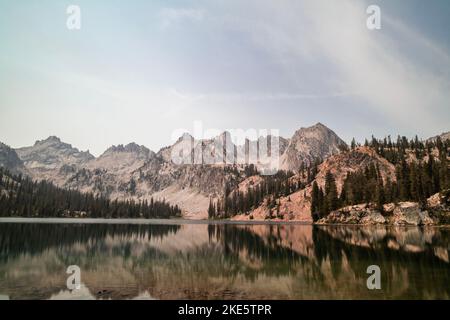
point(333, 34)
point(229, 63)
point(169, 16)
point(276, 96)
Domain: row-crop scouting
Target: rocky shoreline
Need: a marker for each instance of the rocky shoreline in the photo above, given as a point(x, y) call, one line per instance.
point(435, 212)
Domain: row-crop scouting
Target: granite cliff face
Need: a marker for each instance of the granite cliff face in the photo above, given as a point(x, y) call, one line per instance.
point(51, 153)
point(10, 160)
point(122, 159)
point(308, 144)
point(45, 158)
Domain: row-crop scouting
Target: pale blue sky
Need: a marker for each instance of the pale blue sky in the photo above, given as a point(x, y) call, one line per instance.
point(138, 70)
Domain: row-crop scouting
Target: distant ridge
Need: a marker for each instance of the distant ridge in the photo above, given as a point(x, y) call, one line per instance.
point(133, 171)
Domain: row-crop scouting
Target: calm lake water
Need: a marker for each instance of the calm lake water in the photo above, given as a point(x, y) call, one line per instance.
point(176, 260)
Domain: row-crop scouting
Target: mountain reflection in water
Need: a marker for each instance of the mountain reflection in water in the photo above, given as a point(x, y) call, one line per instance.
point(222, 261)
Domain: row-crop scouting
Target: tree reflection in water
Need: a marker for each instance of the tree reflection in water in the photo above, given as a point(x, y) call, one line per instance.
point(210, 261)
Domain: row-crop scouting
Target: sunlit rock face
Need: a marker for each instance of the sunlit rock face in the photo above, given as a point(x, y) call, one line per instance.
point(51, 154)
point(357, 214)
point(409, 213)
point(308, 144)
point(399, 214)
point(439, 207)
point(352, 161)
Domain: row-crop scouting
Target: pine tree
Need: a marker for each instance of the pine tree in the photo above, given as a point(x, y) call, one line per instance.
point(315, 206)
point(414, 182)
point(211, 211)
point(29, 198)
point(444, 182)
point(321, 204)
point(380, 195)
point(353, 144)
point(331, 194)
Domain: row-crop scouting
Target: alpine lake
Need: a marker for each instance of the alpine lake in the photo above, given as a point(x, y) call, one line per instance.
point(179, 259)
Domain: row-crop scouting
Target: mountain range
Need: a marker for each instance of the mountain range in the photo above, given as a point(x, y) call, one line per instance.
point(134, 172)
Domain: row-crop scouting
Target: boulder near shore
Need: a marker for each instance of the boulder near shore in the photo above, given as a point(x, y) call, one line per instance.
point(435, 212)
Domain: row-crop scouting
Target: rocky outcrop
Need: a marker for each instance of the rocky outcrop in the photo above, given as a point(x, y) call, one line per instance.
point(407, 213)
point(439, 207)
point(295, 207)
point(357, 214)
point(352, 161)
point(401, 214)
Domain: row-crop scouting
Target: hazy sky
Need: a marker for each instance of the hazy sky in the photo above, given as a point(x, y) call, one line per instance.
point(138, 70)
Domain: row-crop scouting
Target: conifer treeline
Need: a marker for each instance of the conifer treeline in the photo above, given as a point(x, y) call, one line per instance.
point(20, 196)
point(416, 180)
point(394, 152)
point(271, 188)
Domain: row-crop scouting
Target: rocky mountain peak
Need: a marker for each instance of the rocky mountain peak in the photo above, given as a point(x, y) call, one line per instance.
point(318, 129)
point(132, 147)
point(10, 160)
point(121, 160)
point(50, 139)
point(185, 136)
point(53, 143)
point(52, 153)
point(320, 125)
point(225, 134)
point(308, 144)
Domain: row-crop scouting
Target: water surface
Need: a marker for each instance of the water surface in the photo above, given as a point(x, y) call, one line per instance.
point(178, 260)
